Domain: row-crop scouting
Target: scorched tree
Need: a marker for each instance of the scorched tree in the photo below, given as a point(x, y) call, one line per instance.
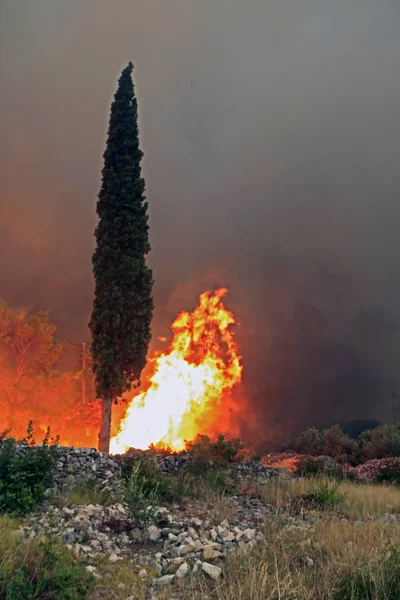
point(123, 304)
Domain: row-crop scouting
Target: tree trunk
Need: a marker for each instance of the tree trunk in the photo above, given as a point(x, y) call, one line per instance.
point(105, 426)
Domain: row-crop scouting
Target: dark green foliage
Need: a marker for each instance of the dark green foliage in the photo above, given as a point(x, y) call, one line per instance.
point(309, 442)
point(25, 474)
point(381, 442)
point(224, 450)
point(329, 442)
point(366, 583)
point(339, 446)
point(123, 304)
point(325, 495)
point(389, 474)
point(48, 576)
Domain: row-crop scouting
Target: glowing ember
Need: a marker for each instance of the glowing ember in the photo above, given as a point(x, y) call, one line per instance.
point(189, 382)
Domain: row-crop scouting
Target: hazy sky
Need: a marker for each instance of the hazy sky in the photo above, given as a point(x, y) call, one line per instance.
point(271, 135)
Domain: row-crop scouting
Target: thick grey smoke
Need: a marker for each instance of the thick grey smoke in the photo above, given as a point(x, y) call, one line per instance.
point(271, 136)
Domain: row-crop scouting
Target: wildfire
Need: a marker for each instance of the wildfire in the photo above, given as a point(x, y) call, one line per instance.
point(189, 382)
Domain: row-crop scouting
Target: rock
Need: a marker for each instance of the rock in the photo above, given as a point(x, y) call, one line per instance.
point(90, 569)
point(113, 557)
point(309, 561)
point(209, 553)
point(183, 571)
point(249, 534)
point(197, 567)
point(165, 580)
point(212, 571)
point(186, 549)
point(142, 574)
point(154, 533)
point(136, 535)
point(225, 524)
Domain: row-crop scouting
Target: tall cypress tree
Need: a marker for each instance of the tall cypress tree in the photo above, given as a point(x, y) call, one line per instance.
point(123, 304)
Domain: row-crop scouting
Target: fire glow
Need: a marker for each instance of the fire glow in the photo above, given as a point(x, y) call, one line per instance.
point(189, 381)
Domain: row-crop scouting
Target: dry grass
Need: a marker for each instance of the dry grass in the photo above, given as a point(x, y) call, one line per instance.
point(359, 500)
point(119, 581)
point(281, 567)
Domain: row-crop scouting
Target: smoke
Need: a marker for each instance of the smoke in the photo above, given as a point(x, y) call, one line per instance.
point(271, 134)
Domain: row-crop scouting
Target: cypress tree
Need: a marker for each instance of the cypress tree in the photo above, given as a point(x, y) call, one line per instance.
point(123, 303)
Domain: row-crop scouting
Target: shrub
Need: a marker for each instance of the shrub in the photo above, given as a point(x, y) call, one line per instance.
point(338, 445)
point(309, 442)
point(224, 450)
point(382, 442)
point(141, 494)
point(317, 465)
point(325, 495)
point(45, 571)
point(25, 472)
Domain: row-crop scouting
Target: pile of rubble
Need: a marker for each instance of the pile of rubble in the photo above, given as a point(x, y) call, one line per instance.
point(181, 543)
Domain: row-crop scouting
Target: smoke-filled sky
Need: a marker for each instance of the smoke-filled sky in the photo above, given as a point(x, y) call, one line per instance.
point(271, 135)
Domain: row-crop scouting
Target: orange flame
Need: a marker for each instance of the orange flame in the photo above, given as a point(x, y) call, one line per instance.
point(189, 382)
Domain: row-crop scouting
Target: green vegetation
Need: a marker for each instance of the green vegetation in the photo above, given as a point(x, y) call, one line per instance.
point(223, 450)
point(325, 494)
point(25, 472)
point(38, 569)
point(123, 304)
point(378, 443)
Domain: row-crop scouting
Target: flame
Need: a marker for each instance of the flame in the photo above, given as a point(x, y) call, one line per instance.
point(189, 382)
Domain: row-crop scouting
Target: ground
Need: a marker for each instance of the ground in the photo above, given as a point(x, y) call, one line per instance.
point(283, 538)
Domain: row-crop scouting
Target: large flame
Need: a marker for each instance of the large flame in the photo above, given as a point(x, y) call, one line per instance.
point(189, 382)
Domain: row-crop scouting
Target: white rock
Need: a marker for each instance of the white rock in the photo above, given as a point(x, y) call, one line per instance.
point(91, 569)
point(250, 534)
point(211, 570)
point(142, 574)
point(214, 535)
point(183, 570)
point(154, 533)
point(165, 579)
point(113, 557)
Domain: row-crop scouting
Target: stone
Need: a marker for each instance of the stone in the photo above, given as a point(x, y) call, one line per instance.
point(113, 557)
point(209, 553)
point(90, 569)
point(309, 561)
point(154, 533)
point(186, 549)
point(197, 567)
point(249, 534)
point(183, 571)
point(212, 571)
point(165, 580)
point(142, 574)
point(225, 524)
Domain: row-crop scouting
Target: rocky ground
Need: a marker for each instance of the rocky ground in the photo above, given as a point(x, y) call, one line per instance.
point(185, 541)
